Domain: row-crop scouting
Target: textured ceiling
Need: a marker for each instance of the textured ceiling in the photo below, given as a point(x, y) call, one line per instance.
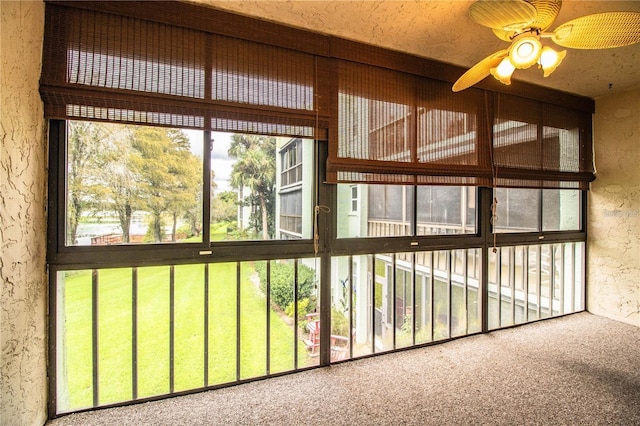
point(442, 30)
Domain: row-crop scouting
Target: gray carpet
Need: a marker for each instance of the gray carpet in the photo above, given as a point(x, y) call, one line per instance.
point(578, 369)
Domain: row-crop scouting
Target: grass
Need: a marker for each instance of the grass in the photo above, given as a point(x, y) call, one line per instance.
point(115, 313)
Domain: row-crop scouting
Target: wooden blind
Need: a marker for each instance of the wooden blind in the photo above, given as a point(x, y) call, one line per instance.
point(540, 145)
point(395, 127)
point(389, 117)
point(400, 128)
point(106, 66)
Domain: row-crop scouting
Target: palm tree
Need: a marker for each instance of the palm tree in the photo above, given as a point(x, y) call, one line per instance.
point(255, 170)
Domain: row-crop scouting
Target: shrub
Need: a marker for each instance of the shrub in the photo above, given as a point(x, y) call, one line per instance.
point(282, 280)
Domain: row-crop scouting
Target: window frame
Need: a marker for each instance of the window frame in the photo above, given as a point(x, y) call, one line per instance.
point(76, 257)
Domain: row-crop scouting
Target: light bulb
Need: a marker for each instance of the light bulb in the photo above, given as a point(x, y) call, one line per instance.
point(525, 51)
point(503, 71)
point(550, 59)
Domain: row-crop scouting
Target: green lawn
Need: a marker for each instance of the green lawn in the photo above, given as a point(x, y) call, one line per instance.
point(153, 314)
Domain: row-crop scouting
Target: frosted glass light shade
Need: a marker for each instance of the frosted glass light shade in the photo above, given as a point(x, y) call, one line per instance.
point(525, 52)
point(503, 71)
point(550, 59)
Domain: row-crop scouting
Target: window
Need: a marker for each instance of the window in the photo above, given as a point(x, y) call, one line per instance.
point(390, 211)
point(354, 199)
point(183, 183)
point(537, 210)
point(291, 160)
point(132, 184)
point(248, 202)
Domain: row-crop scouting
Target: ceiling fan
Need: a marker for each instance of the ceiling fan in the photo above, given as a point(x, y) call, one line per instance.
point(524, 24)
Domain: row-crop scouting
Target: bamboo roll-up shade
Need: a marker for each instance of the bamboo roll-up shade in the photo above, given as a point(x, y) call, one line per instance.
point(105, 66)
point(395, 127)
point(540, 145)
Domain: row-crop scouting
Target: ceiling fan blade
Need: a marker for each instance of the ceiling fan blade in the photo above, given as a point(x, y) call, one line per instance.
point(599, 31)
point(479, 71)
point(504, 35)
point(509, 15)
point(547, 11)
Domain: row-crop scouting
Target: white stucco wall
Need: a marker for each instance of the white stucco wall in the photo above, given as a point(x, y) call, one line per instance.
point(23, 156)
point(614, 210)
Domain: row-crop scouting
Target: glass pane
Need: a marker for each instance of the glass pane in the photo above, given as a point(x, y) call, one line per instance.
point(73, 352)
point(546, 265)
point(474, 296)
point(533, 253)
point(506, 271)
point(383, 303)
point(493, 289)
point(362, 315)
point(458, 293)
point(153, 330)
point(253, 321)
point(561, 210)
point(343, 308)
point(446, 210)
point(308, 312)
point(441, 295)
point(424, 297)
point(189, 327)
point(223, 322)
point(281, 327)
point(520, 290)
point(114, 335)
point(263, 187)
point(404, 300)
point(381, 210)
point(132, 184)
point(579, 283)
point(517, 210)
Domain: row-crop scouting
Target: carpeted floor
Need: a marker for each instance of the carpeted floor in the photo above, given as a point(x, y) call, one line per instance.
point(575, 370)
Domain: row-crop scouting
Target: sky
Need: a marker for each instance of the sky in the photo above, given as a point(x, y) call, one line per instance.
point(220, 161)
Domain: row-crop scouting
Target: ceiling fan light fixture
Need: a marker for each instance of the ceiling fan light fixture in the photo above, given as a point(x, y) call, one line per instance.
point(525, 51)
point(503, 71)
point(550, 59)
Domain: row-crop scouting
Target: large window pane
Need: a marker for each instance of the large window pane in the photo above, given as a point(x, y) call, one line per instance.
point(404, 300)
point(132, 184)
point(446, 210)
point(374, 211)
point(561, 210)
point(424, 297)
point(388, 210)
point(517, 210)
point(263, 187)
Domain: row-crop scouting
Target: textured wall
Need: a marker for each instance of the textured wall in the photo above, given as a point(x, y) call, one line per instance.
point(23, 294)
point(614, 210)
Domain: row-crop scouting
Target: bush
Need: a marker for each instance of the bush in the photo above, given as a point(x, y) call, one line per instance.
point(282, 280)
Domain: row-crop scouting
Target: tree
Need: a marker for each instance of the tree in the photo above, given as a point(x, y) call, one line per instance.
point(187, 194)
point(169, 174)
point(84, 142)
point(224, 207)
point(255, 170)
point(118, 176)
